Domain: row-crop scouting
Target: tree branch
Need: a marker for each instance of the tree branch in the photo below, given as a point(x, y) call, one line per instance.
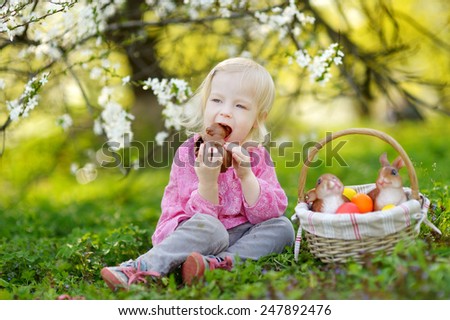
point(5, 124)
point(423, 30)
point(136, 24)
point(80, 86)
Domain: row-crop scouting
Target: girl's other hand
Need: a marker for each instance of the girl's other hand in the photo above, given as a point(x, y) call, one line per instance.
point(242, 166)
point(241, 160)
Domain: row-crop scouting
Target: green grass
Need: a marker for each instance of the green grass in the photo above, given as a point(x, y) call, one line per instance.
point(56, 234)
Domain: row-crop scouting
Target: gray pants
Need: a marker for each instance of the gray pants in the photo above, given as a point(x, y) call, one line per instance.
point(207, 235)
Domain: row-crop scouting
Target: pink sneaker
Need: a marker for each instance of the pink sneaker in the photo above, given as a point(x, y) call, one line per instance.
point(195, 266)
point(120, 278)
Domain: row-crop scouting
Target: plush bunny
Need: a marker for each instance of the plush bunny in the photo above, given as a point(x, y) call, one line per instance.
point(389, 186)
point(327, 195)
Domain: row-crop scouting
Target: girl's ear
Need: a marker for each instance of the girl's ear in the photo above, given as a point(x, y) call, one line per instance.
point(261, 119)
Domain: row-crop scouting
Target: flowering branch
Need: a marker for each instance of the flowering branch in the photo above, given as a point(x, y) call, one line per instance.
point(171, 94)
point(22, 106)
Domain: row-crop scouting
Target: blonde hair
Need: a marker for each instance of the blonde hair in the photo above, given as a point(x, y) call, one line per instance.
point(252, 73)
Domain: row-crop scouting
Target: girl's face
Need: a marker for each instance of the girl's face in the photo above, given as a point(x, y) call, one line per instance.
point(231, 103)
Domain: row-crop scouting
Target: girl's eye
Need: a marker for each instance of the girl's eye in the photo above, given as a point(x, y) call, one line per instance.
point(216, 100)
point(240, 106)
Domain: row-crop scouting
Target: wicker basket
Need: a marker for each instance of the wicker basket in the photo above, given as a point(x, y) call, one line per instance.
point(335, 238)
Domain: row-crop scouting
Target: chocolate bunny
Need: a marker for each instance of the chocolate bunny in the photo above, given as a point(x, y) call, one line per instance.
point(389, 186)
point(327, 195)
point(216, 134)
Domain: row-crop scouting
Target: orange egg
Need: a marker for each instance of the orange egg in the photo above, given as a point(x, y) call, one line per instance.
point(348, 207)
point(363, 201)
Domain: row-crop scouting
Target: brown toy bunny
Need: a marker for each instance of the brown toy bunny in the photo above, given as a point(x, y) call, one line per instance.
point(216, 134)
point(389, 186)
point(327, 195)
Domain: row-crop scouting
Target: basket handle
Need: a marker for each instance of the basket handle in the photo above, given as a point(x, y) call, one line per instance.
point(363, 131)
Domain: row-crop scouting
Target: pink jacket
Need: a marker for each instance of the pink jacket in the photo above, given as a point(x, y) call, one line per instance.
point(181, 199)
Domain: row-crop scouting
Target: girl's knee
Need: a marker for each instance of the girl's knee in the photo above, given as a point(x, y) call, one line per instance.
point(206, 222)
point(285, 229)
point(208, 227)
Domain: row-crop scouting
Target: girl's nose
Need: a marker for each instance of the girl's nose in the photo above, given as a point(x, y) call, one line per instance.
point(225, 114)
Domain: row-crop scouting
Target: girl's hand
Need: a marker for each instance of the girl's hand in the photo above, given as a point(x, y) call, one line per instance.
point(207, 168)
point(241, 160)
point(242, 166)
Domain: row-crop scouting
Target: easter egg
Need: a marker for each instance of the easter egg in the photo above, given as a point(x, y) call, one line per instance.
point(349, 193)
point(388, 206)
point(348, 207)
point(363, 201)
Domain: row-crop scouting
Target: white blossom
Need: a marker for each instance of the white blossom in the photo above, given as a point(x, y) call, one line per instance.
point(201, 4)
point(161, 137)
point(15, 109)
point(98, 130)
point(116, 123)
point(162, 8)
point(96, 73)
point(182, 89)
point(172, 114)
point(22, 106)
point(302, 58)
point(319, 65)
point(105, 96)
point(338, 58)
point(48, 50)
point(30, 105)
point(44, 78)
point(225, 12)
point(262, 17)
point(65, 121)
point(74, 167)
point(281, 20)
point(166, 90)
point(106, 64)
point(247, 54)
point(126, 80)
point(169, 93)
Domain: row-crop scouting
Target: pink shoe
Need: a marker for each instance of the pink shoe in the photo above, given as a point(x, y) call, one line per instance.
point(195, 266)
point(121, 278)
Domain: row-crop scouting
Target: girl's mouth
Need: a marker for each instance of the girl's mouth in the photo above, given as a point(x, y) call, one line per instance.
point(227, 129)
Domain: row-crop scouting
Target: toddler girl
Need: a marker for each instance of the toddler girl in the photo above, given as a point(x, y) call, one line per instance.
point(208, 217)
